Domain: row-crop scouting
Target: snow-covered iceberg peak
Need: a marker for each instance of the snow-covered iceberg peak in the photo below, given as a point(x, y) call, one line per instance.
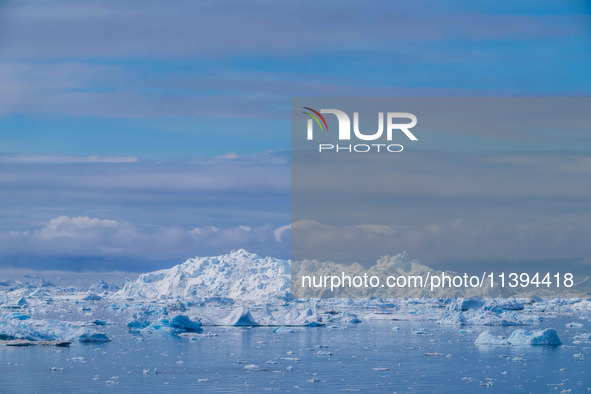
point(239, 275)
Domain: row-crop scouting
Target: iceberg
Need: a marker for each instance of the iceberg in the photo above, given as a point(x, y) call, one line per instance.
point(47, 330)
point(548, 336)
point(240, 317)
point(138, 321)
point(283, 330)
point(488, 338)
point(266, 317)
point(574, 325)
point(481, 317)
point(350, 318)
point(309, 319)
point(182, 323)
point(521, 337)
point(464, 304)
point(237, 275)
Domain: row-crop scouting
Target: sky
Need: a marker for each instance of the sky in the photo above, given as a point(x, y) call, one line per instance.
point(136, 134)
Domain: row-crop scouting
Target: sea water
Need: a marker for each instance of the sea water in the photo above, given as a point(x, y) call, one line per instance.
point(388, 356)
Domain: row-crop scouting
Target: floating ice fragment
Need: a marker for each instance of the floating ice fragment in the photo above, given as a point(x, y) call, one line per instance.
point(96, 337)
point(92, 297)
point(283, 330)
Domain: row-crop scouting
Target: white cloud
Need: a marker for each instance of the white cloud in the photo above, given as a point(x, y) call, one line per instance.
point(85, 236)
point(278, 232)
point(65, 159)
point(65, 226)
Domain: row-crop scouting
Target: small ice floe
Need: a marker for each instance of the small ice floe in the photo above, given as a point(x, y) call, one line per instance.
point(435, 354)
point(26, 343)
point(516, 359)
point(313, 380)
point(579, 356)
point(251, 367)
point(77, 359)
point(574, 325)
point(56, 369)
point(283, 330)
point(521, 337)
point(395, 328)
point(583, 337)
point(202, 380)
point(96, 337)
point(196, 336)
point(323, 353)
point(381, 369)
point(92, 297)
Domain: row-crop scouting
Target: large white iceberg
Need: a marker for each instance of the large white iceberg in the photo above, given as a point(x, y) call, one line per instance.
point(237, 275)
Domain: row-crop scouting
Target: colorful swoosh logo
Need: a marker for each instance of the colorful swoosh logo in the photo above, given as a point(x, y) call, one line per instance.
point(316, 117)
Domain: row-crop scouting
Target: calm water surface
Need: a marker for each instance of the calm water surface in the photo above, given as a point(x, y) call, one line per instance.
point(366, 357)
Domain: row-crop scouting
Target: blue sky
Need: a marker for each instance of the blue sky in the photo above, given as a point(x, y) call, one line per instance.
point(140, 133)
